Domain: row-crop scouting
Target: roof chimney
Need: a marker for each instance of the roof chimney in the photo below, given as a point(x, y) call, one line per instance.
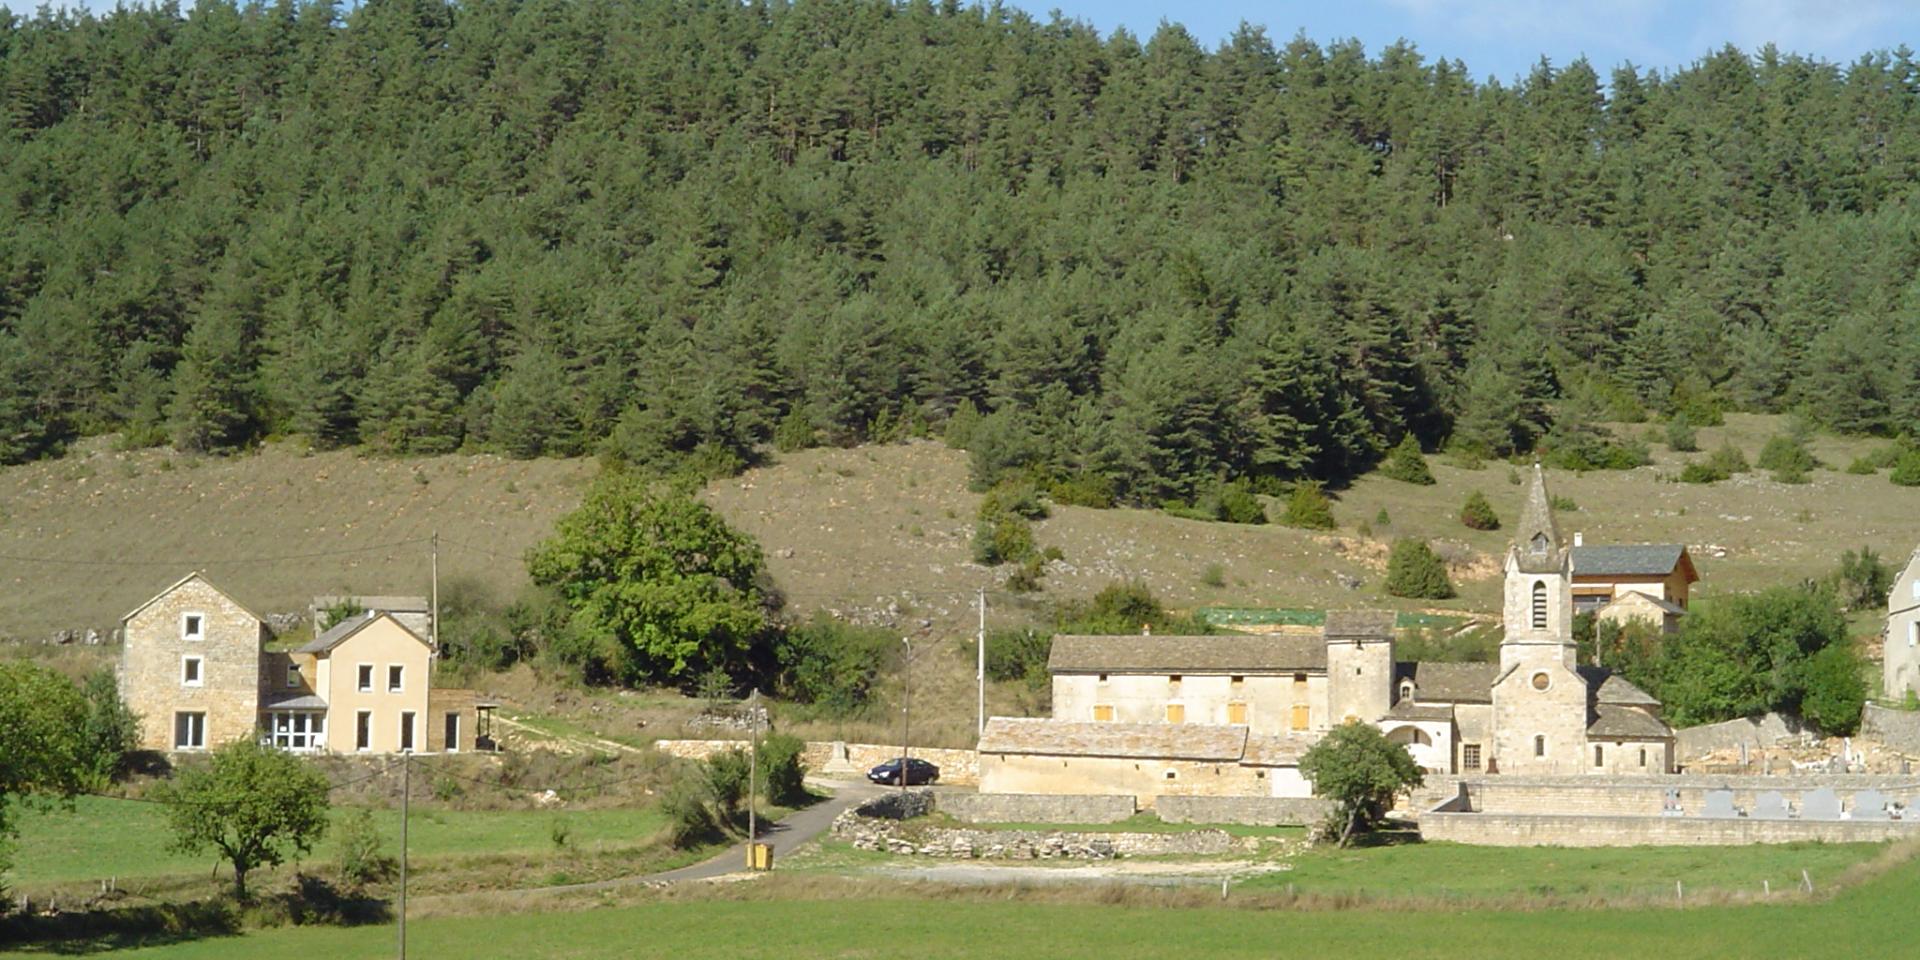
point(1146, 629)
point(1579, 538)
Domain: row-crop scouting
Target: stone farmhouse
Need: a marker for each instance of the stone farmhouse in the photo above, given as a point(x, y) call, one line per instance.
point(1900, 657)
point(1232, 714)
point(1634, 581)
point(194, 667)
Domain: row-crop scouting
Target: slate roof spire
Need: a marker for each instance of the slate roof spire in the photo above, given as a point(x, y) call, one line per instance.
point(1536, 540)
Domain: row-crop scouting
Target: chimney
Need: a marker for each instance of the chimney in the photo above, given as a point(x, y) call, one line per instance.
point(1146, 629)
point(1578, 538)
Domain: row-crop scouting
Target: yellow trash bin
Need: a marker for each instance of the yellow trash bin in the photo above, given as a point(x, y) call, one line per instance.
point(759, 856)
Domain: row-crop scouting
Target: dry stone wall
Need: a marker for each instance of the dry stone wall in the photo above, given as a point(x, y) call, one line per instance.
point(1249, 811)
point(1897, 729)
point(1692, 743)
point(1035, 807)
point(1569, 830)
point(967, 843)
point(1648, 796)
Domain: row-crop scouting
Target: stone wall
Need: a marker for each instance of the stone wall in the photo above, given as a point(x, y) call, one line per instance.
point(1251, 811)
point(967, 843)
point(957, 767)
point(1035, 807)
point(1569, 830)
point(1647, 796)
point(1898, 729)
point(1692, 743)
point(152, 666)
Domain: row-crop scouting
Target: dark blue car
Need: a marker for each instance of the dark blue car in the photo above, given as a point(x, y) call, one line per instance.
point(918, 772)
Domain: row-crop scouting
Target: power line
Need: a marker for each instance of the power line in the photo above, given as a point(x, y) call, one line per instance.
point(229, 561)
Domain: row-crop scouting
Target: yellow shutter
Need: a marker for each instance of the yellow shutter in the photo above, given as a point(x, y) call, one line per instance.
point(1103, 713)
point(1236, 713)
point(1176, 713)
point(1300, 716)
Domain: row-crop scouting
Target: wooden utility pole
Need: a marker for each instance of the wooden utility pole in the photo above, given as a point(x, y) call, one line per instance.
point(433, 628)
point(981, 669)
point(406, 790)
point(906, 709)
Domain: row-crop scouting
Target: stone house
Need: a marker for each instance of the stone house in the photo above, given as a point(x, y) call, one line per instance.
point(1185, 714)
point(415, 613)
point(1900, 656)
point(195, 669)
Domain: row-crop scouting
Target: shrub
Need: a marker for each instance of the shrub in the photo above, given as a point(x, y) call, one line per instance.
point(1239, 505)
point(1861, 466)
point(1680, 435)
point(689, 820)
point(1906, 471)
point(1083, 490)
point(1834, 690)
point(795, 431)
point(833, 665)
point(1562, 504)
point(1018, 655)
point(111, 730)
point(1213, 576)
point(1700, 473)
point(726, 776)
point(1406, 464)
point(1863, 579)
point(781, 761)
point(1017, 497)
point(361, 859)
point(1477, 513)
point(1382, 519)
point(1786, 455)
point(1414, 570)
point(1728, 460)
point(1308, 508)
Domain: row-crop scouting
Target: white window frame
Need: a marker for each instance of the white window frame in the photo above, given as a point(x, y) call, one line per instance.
point(297, 731)
point(293, 675)
point(363, 670)
point(409, 741)
point(199, 620)
point(359, 745)
point(396, 672)
point(199, 678)
point(196, 727)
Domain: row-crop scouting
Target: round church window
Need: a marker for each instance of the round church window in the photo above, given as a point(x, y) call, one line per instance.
point(1541, 681)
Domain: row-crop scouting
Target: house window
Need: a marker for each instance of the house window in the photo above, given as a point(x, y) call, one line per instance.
point(365, 678)
point(193, 626)
point(363, 730)
point(1174, 679)
point(1539, 605)
point(190, 671)
point(296, 731)
point(1103, 678)
point(293, 675)
point(1301, 716)
point(452, 744)
point(406, 730)
point(1176, 713)
point(1236, 713)
point(1103, 713)
point(1406, 691)
point(1299, 679)
point(189, 731)
point(1599, 757)
point(1470, 756)
point(394, 675)
point(1236, 681)
point(1539, 745)
point(1170, 774)
point(1643, 756)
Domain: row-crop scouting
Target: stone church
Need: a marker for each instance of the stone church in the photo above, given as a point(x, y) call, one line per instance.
point(1231, 714)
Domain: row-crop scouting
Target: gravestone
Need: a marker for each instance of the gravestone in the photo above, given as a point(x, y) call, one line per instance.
point(1770, 805)
point(1718, 804)
point(1821, 804)
point(1869, 805)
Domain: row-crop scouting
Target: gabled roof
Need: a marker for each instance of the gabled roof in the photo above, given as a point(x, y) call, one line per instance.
point(1637, 596)
point(1409, 710)
point(1224, 653)
point(1449, 682)
point(1627, 723)
point(1275, 749)
point(1632, 559)
point(1153, 741)
point(1612, 688)
point(339, 632)
point(1359, 624)
point(183, 581)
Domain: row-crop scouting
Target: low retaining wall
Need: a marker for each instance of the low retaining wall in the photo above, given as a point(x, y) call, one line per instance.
point(960, 767)
point(1647, 796)
point(1250, 811)
point(966, 843)
point(1898, 729)
point(1533, 830)
point(1035, 807)
point(1691, 743)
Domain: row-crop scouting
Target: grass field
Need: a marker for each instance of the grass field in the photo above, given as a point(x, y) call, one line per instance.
point(127, 839)
point(1874, 920)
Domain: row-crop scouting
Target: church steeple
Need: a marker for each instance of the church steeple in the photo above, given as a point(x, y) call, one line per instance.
point(1536, 541)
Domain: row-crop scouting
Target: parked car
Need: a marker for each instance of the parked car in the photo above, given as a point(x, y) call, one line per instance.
point(918, 771)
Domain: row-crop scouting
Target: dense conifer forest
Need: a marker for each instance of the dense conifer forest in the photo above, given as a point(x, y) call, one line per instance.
point(686, 232)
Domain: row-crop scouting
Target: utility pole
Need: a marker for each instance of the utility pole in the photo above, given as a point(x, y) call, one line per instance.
point(433, 628)
point(981, 671)
point(906, 709)
point(406, 791)
point(753, 767)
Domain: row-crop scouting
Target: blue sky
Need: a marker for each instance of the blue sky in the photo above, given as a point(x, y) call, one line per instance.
point(1504, 38)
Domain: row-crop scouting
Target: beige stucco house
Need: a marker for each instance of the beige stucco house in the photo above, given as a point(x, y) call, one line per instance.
point(194, 668)
point(1232, 714)
point(1900, 656)
point(1619, 583)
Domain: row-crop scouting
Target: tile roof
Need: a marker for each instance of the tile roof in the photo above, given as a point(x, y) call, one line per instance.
point(1627, 723)
point(1449, 682)
point(1223, 653)
point(1625, 559)
point(350, 626)
point(1158, 741)
point(1610, 687)
point(303, 701)
point(1409, 710)
point(1359, 623)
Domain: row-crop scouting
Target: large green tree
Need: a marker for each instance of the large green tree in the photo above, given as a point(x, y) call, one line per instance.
point(252, 804)
point(660, 587)
point(1356, 768)
point(43, 738)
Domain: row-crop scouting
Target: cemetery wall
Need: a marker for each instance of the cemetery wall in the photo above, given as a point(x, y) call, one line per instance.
point(1897, 729)
point(1570, 830)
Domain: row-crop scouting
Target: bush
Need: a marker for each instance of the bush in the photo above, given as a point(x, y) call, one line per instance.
point(1835, 690)
point(1728, 460)
point(1862, 466)
point(1239, 505)
point(726, 776)
point(1862, 580)
point(832, 665)
point(1308, 508)
point(1562, 504)
point(111, 730)
point(689, 820)
point(1700, 473)
point(1906, 471)
point(1680, 435)
point(1083, 490)
point(1017, 497)
point(1477, 513)
point(1406, 463)
point(1214, 575)
point(1018, 655)
point(786, 772)
point(1414, 570)
point(795, 432)
point(1786, 455)
point(361, 860)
